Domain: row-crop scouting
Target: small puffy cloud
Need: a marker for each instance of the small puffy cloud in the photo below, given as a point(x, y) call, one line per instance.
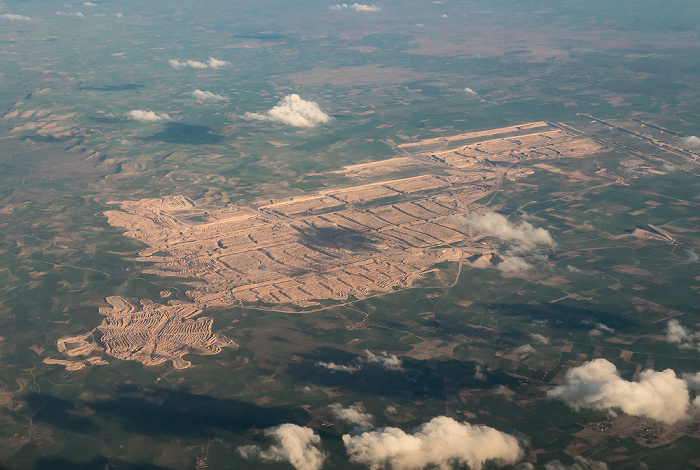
point(119, 15)
point(693, 257)
point(89, 4)
point(354, 415)
point(580, 463)
point(539, 338)
point(356, 7)
point(211, 63)
point(207, 95)
point(383, 360)
point(524, 236)
point(176, 64)
point(440, 443)
point(361, 7)
point(691, 141)
point(216, 63)
point(146, 116)
point(479, 372)
point(598, 385)
point(669, 168)
point(513, 265)
point(76, 14)
point(525, 349)
point(294, 444)
point(573, 269)
point(294, 111)
point(682, 336)
point(469, 91)
point(598, 329)
point(13, 17)
point(333, 367)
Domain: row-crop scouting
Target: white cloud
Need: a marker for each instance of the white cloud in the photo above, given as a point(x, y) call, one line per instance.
point(573, 269)
point(598, 329)
point(691, 141)
point(597, 385)
point(693, 257)
point(539, 338)
point(383, 360)
point(469, 91)
point(176, 64)
point(525, 349)
point(479, 372)
point(682, 336)
point(76, 14)
point(216, 63)
point(146, 116)
point(442, 443)
point(294, 444)
point(524, 237)
point(356, 7)
point(119, 15)
point(354, 415)
point(294, 111)
point(211, 63)
point(513, 265)
point(207, 95)
point(89, 4)
point(693, 381)
point(669, 168)
point(361, 7)
point(333, 367)
point(580, 463)
point(13, 17)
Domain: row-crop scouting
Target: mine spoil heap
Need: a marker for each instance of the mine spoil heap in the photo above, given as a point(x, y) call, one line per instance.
point(157, 333)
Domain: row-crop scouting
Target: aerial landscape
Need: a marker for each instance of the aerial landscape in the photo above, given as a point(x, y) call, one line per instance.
point(408, 234)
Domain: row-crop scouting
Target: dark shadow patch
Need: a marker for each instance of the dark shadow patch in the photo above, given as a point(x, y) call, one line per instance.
point(426, 379)
point(56, 410)
point(472, 332)
point(338, 238)
point(261, 37)
point(565, 316)
point(48, 138)
point(120, 87)
point(105, 119)
point(178, 133)
point(99, 463)
point(160, 412)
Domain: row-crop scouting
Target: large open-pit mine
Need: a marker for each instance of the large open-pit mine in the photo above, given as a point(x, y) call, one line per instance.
point(345, 242)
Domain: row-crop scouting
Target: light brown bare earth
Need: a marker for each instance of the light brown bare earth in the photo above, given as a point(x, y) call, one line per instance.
point(340, 243)
point(151, 335)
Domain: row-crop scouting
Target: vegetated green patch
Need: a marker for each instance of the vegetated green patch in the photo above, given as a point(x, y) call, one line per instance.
point(680, 451)
point(516, 52)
